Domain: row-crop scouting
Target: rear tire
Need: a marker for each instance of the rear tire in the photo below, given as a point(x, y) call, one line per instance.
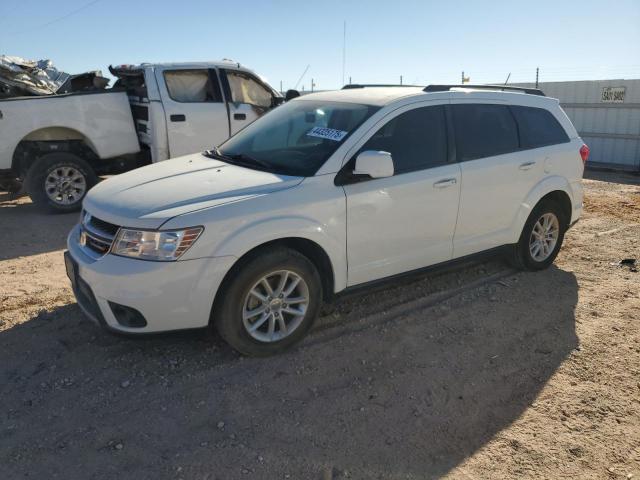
point(541, 237)
point(58, 182)
point(251, 314)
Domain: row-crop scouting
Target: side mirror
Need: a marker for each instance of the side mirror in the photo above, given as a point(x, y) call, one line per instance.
point(291, 94)
point(375, 164)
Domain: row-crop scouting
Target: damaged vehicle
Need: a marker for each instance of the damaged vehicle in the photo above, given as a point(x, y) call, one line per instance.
point(20, 77)
point(56, 145)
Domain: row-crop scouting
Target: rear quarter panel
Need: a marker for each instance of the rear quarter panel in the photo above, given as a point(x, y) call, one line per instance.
point(563, 171)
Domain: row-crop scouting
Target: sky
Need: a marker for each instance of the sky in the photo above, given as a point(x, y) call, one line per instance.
point(422, 41)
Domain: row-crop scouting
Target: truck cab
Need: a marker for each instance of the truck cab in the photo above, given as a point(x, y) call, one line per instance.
point(56, 146)
point(182, 108)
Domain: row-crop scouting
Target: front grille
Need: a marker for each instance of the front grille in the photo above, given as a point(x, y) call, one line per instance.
point(97, 235)
point(102, 226)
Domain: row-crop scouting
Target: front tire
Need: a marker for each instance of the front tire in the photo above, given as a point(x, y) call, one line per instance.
point(58, 182)
point(541, 237)
point(270, 302)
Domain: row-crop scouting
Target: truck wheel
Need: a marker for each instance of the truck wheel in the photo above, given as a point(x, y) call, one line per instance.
point(57, 182)
point(270, 303)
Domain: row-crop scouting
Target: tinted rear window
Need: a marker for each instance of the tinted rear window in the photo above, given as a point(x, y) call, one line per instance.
point(538, 127)
point(484, 130)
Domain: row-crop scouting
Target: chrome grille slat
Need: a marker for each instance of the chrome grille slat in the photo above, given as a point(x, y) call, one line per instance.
point(98, 235)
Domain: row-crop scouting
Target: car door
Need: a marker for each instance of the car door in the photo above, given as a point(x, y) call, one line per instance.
point(496, 174)
point(247, 98)
point(406, 221)
point(195, 113)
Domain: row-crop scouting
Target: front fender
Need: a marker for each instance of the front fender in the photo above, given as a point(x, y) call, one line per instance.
point(257, 233)
point(546, 186)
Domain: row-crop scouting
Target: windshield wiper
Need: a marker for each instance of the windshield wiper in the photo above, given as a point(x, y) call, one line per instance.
point(238, 159)
point(248, 160)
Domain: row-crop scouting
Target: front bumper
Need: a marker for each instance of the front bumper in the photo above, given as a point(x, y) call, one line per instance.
point(169, 295)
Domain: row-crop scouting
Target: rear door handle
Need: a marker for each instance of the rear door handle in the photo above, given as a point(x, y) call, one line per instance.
point(177, 118)
point(239, 116)
point(527, 165)
point(447, 182)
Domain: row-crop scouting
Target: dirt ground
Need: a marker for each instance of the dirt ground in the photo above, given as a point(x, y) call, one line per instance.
point(481, 372)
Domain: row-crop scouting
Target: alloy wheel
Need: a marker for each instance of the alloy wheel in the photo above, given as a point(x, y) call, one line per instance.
point(275, 306)
point(544, 237)
point(65, 185)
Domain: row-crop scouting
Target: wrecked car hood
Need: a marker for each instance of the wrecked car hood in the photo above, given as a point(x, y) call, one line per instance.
point(149, 196)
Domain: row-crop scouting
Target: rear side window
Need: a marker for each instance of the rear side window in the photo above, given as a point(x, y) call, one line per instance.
point(189, 86)
point(416, 139)
point(484, 130)
point(538, 127)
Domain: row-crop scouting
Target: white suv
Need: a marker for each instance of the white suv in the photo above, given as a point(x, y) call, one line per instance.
point(329, 191)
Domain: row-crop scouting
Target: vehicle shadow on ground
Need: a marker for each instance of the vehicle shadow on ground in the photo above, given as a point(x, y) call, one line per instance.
point(409, 396)
point(28, 231)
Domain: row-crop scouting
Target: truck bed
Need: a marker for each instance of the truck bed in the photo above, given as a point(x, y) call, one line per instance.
point(102, 119)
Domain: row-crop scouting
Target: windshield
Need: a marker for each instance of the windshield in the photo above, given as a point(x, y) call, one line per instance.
point(297, 137)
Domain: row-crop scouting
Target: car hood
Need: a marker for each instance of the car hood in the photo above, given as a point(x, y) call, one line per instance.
point(151, 195)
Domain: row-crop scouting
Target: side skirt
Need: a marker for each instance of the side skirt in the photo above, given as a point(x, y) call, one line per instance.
point(411, 275)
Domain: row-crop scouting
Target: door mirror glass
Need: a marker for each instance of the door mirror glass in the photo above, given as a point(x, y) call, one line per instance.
point(375, 164)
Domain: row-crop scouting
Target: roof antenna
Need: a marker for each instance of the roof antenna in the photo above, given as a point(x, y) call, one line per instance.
point(507, 80)
point(344, 49)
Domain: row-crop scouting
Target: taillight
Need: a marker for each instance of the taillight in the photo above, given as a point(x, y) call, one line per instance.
point(584, 153)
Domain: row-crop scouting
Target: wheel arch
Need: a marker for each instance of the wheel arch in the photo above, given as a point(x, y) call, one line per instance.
point(49, 140)
point(309, 248)
point(561, 198)
point(552, 188)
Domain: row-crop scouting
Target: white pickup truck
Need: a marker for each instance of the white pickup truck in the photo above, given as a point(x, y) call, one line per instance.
point(57, 145)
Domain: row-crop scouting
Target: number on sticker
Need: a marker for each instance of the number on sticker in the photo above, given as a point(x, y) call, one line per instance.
point(328, 133)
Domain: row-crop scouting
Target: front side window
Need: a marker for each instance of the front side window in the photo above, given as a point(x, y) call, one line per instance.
point(416, 139)
point(484, 130)
point(245, 89)
point(296, 138)
point(538, 127)
point(189, 86)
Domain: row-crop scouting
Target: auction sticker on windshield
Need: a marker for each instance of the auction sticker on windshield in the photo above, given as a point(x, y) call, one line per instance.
point(328, 133)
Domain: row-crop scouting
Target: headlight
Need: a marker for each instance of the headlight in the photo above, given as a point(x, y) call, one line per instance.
point(163, 246)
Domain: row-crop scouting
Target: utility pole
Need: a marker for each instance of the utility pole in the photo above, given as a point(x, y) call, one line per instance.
point(462, 81)
point(400, 79)
point(537, 73)
point(313, 84)
point(280, 86)
point(349, 80)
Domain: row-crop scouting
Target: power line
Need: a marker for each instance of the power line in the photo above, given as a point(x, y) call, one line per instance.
point(58, 19)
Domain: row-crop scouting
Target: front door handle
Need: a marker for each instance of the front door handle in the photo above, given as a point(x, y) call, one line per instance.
point(447, 182)
point(527, 165)
point(177, 118)
point(239, 116)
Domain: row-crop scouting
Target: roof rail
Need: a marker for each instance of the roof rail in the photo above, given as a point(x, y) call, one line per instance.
point(507, 88)
point(373, 85)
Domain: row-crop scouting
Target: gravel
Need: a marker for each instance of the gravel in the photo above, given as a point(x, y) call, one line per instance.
point(473, 373)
